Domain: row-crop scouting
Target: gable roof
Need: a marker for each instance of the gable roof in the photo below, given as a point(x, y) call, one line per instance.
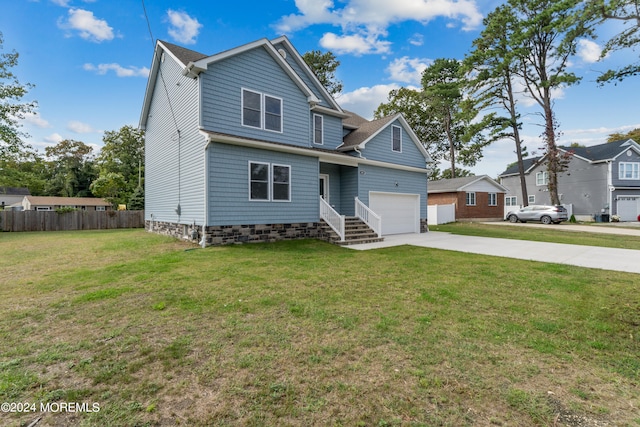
point(460, 184)
point(367, 130)
point(593, 154)
point(194, 63)
point(66, 201)
point(528, 164)
point(15, 191)
point(602, 152)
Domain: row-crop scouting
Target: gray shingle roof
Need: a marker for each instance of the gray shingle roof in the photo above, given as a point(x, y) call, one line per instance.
point(599, 152)
point(365, 131)
point(184, 55)
point(528, 163)
point(456, 184)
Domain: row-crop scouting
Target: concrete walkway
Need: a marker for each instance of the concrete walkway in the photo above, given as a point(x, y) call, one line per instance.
point(627, 260)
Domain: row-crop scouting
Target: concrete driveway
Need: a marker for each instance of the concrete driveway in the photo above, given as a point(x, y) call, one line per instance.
point(627, 260)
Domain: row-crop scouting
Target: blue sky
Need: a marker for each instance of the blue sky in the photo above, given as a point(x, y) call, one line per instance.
point(89, 59)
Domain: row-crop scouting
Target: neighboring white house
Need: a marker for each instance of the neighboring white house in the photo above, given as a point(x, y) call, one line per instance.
point(11, 195)
point(49, 203)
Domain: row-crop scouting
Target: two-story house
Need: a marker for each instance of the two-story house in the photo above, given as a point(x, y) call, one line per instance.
point(247, 145)
point(600, 180)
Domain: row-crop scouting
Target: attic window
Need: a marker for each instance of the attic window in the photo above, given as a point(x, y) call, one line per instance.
point(396, 139)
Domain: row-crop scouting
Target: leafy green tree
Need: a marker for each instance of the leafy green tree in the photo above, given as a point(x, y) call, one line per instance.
point(324, 65)
point(109, 186)
point(28, 169)
point(11, 109)
point(450, 120)
point(547, 34)
point(596, 12)
point(632, 134)
point(492, 67)
point(136, 201)
point(123, 154)
point(71, 169)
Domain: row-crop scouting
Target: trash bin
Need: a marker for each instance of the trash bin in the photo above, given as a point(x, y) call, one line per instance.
point(605, 217)
point(598, 218)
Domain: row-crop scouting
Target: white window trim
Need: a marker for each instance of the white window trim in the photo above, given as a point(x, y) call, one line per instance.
point(493, 197)
point(393, 127)
point(531, 199)
point(468, 193)
point(101, 208)
point(270, 183)
point(251, 162)
point(545, 178)
point(273, 165)
point(635, 171)
point(263, 111)
point(321, 129)
point(264, 114)
point(512, 198)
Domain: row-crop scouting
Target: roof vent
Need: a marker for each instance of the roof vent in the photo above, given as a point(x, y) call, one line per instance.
point(283, 53)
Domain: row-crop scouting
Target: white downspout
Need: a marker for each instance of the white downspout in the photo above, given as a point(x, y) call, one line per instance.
point(203, 242)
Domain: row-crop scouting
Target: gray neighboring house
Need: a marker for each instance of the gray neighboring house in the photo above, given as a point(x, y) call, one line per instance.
point(247, 145)
point(12, 195)
point(600, 181)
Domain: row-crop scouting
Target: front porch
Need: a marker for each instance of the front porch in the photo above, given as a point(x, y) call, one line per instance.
point(364, 227)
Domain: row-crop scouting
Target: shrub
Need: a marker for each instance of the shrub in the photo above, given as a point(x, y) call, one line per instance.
point(65, 209)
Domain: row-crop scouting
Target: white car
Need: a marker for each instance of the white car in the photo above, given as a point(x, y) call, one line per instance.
point(546, 214)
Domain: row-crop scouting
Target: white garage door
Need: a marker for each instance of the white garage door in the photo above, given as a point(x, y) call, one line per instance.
point(400, 212)
point(627, 208)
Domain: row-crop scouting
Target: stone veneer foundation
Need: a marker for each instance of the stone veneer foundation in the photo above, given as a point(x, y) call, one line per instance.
point(229, 234)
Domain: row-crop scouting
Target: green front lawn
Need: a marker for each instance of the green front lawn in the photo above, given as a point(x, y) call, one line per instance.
point(157, 332)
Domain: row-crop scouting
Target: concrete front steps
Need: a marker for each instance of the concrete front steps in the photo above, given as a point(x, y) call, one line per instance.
point(356, 232)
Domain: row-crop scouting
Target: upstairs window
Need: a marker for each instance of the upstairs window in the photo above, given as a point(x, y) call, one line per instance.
point(628, 170)
point(261, 111)
point(396, 139)
point(251, 109)
point(317, 129)
point(542, 178)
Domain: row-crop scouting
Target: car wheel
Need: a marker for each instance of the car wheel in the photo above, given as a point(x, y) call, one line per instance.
point(513, 218)
point(545, 219)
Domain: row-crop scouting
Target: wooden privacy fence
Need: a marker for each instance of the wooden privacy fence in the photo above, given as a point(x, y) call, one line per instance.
point(77, 220)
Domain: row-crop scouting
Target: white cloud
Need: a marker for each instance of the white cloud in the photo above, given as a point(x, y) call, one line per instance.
point(36, 120)
point(363, 22)
point(408, 70)
point(54, 138)
point(357, 44)
point(118, 69)
point(89, 27)
point(365, 100)
point(183, 28)
point(589, 51)
point(79, 127)
point(417, 39)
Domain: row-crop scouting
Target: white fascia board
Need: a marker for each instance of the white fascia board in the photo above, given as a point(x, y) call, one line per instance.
point(484, 178)
point(151, 83)
point(329, 111)
point(302, 64)
point(202, 64)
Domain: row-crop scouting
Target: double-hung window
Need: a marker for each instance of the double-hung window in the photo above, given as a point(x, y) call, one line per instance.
point(261, 111)
point(542, 178)
point(493, 199)
point(269, 182)
point(396, 139)
point(317, 129)
point(629, 170)
point(510, 201)
point(471, 199)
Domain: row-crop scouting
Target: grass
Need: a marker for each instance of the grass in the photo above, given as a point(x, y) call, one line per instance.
point(307, 333)
point(550, 234)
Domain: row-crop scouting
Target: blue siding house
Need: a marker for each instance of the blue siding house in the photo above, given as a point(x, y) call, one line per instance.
point(247, 145)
